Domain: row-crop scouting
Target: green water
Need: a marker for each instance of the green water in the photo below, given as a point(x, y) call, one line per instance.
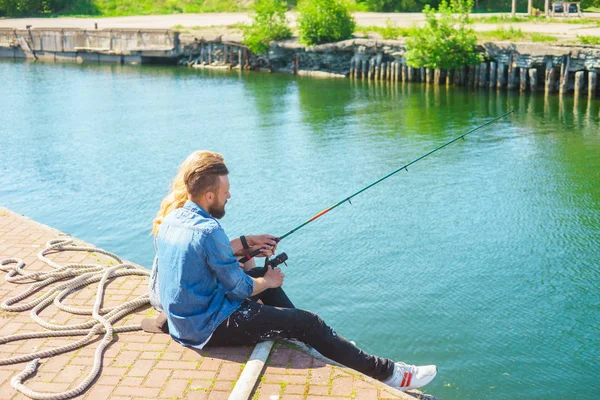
point(483, 258)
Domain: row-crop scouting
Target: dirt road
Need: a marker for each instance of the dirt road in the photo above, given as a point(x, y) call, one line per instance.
point(566, 31)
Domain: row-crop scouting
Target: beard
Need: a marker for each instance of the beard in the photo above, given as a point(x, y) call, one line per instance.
point(217, 210)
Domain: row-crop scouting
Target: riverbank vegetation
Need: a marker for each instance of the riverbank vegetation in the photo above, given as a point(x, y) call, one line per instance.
point(268, 24)
point(114, 8)
point(447, 40)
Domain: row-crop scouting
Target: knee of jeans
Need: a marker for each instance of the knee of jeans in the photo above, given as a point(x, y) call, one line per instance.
point(314, 323)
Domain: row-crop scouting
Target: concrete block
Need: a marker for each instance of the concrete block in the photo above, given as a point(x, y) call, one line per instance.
point(7, 53)
point(132, 60)
point(65, 57)
point(110, 59)
point(83, 57)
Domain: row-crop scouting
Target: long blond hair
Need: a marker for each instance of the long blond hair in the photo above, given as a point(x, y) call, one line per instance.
point(197, 172)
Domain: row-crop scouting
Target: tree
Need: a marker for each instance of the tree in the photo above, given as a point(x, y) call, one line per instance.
point(269, 24)
point(446, 41)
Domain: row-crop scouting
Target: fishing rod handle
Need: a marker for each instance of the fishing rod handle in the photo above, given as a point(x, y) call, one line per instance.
point(249, 257)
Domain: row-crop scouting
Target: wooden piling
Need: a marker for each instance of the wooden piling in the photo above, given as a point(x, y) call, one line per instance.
point(449, 77)
point(592, 84)
point(564, 74)
point(483, 75)
point(493, 74)
point(513, 78)
point(439, 76)
point(550, 79)
point(523, 79)
point(533, 79)
point(501, 77)
point(471, 76)
point(579, 83)
point(476, 77)
point(428, 76)
point(363, 70)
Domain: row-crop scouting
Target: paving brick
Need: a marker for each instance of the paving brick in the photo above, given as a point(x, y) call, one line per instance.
point(320, 390)
point(136, 391)
point(150, 355)
point(158, 377)
point(174, 388)
point(292, 397)
point(229, 371)
point(210, 364)
point(176, 365)
point(125, 359)
point(68, 374)
point(171, 356)
point(342, 386)
point(201, 384)
point(217, 395)
point(223, 385)
point(197, 395)
point(320, 376)
point(366, 394)
point(186, 374)
point(141, 368)
point(278, 378)
point(99, 392)
point(131, 381)
point(294, 389)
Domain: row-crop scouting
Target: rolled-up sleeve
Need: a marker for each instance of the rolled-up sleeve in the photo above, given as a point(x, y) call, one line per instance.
point(220, 259)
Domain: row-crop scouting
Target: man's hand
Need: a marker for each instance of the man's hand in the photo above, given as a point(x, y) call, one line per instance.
point(272, 279)
point(267, 244)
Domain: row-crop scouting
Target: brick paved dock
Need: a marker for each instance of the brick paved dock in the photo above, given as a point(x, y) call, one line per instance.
point(138, 365)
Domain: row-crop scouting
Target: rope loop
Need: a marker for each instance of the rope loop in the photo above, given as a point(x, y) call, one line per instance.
point(70, 277)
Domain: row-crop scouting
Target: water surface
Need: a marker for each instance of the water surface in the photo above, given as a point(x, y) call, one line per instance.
point(482, 259)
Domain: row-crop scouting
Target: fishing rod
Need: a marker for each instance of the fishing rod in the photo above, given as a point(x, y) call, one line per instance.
point(347, 199)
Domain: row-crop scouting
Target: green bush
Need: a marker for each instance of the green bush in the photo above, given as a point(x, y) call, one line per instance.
point(22, 8)
point(324, 21)
point(269, 24)
point(447, 40)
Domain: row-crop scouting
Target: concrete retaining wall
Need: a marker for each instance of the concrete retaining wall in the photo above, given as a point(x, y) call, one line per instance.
point(80, 45)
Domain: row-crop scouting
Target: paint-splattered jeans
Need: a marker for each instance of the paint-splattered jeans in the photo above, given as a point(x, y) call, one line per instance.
point(254, 322)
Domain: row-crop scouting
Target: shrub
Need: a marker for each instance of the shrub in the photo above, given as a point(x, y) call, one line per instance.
point(324, 21)
point(446, 41)
point(22, 8)
point(269, 23)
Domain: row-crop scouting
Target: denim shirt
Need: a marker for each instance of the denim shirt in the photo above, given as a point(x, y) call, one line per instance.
point(199, 281)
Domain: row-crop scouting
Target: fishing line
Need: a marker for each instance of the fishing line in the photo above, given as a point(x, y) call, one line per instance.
point(402, 168)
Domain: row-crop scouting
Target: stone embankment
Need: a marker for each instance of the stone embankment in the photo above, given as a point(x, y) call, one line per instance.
point(510, 66)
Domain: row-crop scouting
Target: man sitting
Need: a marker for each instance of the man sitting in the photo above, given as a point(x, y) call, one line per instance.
point(205, 294)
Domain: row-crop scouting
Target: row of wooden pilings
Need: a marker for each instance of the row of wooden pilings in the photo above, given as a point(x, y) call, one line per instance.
point(233, 55)
point(489, 74)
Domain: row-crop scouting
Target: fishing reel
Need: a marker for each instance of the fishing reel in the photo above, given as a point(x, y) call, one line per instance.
point(274, 262)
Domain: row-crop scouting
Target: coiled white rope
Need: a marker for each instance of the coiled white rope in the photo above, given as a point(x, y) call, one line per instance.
point(74, 276)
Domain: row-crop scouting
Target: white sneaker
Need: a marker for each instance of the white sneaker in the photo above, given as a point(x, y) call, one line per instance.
point(407, 377)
